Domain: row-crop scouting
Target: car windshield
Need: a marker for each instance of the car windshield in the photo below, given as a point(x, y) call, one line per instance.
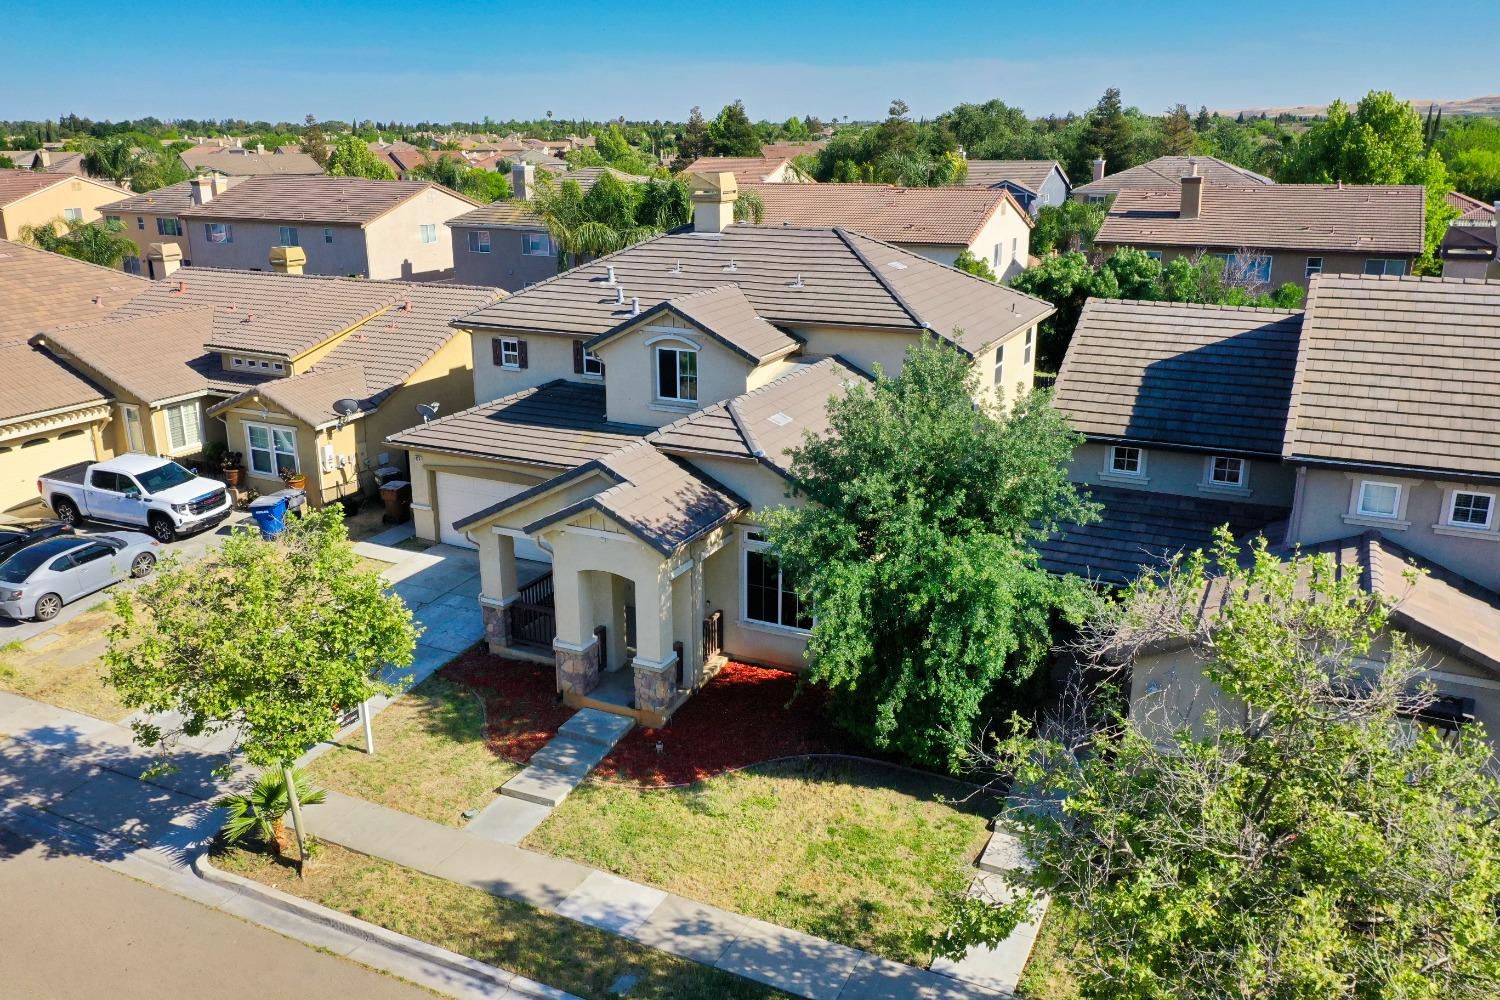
point(164, 477)
point(19, 567)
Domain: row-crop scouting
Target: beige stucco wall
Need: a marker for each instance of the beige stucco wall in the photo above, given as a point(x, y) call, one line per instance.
point(630, 372)
point(1287, 266)
point(423, 468)
point(393, 241)
point(32, 448)
point(549, 357)
point(46, 205)
point(1185, 473)
point(141, 228)
point(862, 348)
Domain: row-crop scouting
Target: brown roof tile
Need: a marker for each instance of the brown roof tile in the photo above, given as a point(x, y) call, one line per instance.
point(1029, 174)
point(1470, 210)
point(746, 169)
point(952, 216)
point(340, 200)
point(1165, 173)
point(248, 164)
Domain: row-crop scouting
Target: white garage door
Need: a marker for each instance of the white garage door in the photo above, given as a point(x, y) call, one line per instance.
point(23, 461)
point(460, 496)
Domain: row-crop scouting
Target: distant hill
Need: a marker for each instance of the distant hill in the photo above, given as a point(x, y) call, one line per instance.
point(1471, 106)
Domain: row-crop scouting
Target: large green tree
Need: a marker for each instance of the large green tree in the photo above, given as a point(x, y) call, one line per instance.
point(1309, 840)
point(1111, 134)
point(101, 242)
point(732, 134)
point(913, 543)
point(456, 175)
point(272, 639)
point(352, 157)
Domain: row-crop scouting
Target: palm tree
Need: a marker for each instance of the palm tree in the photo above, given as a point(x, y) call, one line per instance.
point(101, 242)
point(261, 810)
point(112, 159)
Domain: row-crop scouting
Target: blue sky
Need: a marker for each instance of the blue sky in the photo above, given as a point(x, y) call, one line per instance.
point(411, 59)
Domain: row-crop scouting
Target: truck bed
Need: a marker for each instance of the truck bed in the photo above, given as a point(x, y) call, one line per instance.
point(72, 475)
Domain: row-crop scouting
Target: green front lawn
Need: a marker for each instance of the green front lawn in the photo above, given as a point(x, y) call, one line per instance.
point(554, 950)
point(862, 854)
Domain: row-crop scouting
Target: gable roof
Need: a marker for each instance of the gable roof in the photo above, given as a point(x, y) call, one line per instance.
point(18, 184)
point(171, 199)
point(1192, 376)
point(1327, 217)
point(790, 276)
point(724, 314)
point(1166, 172)
point(746, 169)
point(951, 216)
point(1029, 174)
point(791, 150)
point(340, 200)
point(1471, 211)
point(1399, 372)
point(249, 164)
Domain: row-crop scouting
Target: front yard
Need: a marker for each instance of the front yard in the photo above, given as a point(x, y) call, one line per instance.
point(62, 666)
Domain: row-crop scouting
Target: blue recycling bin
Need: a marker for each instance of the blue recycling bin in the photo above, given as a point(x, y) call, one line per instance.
point(270, 515)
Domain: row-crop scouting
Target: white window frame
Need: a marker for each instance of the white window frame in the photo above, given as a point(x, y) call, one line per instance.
point(272, 449)
point(135, 433)
point(1359, 500)
point(510, 353)
point(1030, 345)
point(676, 396)
point(1452, 508)
point(1211, 470)
point(188, 435)
point(427, 233)
point(593, 365)
point(750, 542)
point(72, 215)
point(1311, 269)
point(287, 236)
point(541, 248)
point(479, 241)
point(1386, 263)
point(224, 230)
point(999, 366)
point(327, 234)
point(1111, 467)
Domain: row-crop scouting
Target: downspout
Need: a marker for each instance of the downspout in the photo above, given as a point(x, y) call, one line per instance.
point(1294, 522)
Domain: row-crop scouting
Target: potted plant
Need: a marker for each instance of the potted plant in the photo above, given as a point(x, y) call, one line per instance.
point(231, 468)
point(293, 478)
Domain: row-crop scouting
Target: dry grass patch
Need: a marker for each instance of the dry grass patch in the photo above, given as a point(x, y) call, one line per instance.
point(430, 756)
point(512, 935)
point(861, 854)
point(1049, 973)
point(67, 671)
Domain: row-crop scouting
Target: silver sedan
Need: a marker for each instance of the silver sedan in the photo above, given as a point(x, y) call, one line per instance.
point(40, 579)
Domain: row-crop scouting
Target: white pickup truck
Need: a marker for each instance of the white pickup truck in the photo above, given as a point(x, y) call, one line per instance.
point(138, 490)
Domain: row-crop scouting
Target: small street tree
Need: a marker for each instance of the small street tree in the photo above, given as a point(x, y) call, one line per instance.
point(351, 157)
point(1311, 839)
point(914, 546)
point(272, 639)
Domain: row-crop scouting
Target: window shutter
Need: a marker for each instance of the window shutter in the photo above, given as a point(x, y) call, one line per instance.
point(577, 357)
point(495, 349)
point(521, 352)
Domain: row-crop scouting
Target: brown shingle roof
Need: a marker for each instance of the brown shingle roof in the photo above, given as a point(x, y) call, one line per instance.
point(1203, 377)
point(246, 164)
point(790, 276)
point(166, 200)
point(723, 313)
point(18, 184)
point(791, 150)
point(1327, 217)
point(952, 216)
point(1029, 174)
point(1165, 173)
point(340, 200)
point(1400, 372)
point(1470, 210)
point(746, 169)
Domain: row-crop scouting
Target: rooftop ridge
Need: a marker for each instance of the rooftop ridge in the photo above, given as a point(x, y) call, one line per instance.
point(1206, 306)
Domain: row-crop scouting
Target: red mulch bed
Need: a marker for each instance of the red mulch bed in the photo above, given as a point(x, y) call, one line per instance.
point(743, 716)
point(520, 700)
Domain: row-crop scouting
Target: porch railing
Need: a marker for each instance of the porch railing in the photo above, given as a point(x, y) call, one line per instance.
point(713, 635)
point(533, 619)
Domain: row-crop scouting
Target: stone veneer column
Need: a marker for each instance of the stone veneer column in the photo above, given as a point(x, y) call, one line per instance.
point(497, 623)
point(655, 685)
point(577, 669)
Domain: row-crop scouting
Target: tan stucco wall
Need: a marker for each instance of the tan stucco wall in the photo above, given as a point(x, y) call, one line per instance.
point(31, 448)
point(423, 467)
point(1287, 266)
point(630, 372)
point(393, 242)
point(141, 228)
point(1185, 474)
point(44, 206)
point(548, 357)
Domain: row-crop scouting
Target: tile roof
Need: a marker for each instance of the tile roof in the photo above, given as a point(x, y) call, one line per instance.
point(1400, 372)
point(1139, 529)
point(1468, 243)
point(951, 216)
point(790, 276)
point(1327, 217)
point(791, 150)
point(1471, 210)
point(723, 313)
point(1165, 173)
point(340, 200)
point(248, 164)
point(559, 425)
point(18, 184)
point(41, 290)
point(746, 169)
point(165, 200)
point(1193, 376)
point(1029, 174)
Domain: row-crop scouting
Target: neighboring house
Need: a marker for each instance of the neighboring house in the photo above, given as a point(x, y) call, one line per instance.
point(938, 223)
point(1471, 211)
point(1362, 427)
point(1163, 174)
point(237, 162)
point(791, 150)
point(52, 161)
point(1468, 248)
point(505, 243)
point(1272, 234)
point(347, 226)
point(50, 416)
point(751, 169)
point(156, 217)
point(635, 414)
point(259, 360)
point(29, 198)
point(1034, 183)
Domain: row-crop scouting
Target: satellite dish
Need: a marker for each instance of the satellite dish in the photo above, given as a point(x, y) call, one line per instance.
point(427, 411)
point(346, 407)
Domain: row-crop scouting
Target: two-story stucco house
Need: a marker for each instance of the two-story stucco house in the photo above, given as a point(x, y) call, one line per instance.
point(636, 415)
point(1162, 174)
point(938, 223)
point(346, 226)
point(1034, 183)
point(1361, 427)
point(29, 198)
point(1270, 235)
point(156, 218)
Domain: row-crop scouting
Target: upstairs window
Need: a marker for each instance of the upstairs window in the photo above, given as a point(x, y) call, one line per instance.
point(1314, 266)
point(1030, 344)
point(677, 374)
point(287, 236)
point(1471, 510)
point(479, 241)
point(1154, 254)
point(327, 235)
point(218, 232)
point(510, 352)
point(428, 233)
point(168, 227)
point(73, 214)
point(1388, 267)
point(1378, 499)
point(1248, 268)
point(140, 222)
point(999, 366)
point(592, 363)
point(1226, 471)
point(1125, 460)
point(536, 244)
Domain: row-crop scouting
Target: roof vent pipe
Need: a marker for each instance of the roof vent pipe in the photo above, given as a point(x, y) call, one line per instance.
point(609, 275)
point(635, 306)
point(619, 295)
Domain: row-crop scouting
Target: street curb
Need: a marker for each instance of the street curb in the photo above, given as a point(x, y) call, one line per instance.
point(479, 974)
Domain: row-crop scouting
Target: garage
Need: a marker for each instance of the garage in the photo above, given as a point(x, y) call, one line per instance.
point(459, 496)
point(24, 460)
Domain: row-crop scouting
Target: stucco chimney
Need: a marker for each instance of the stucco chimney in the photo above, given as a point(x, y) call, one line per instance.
point(260, 148)
point(163, 259)
point(713, 201)
point(201, 190)
point(1192, 197)
point(523, 180)
point(44, 157)
point(288, 260)
point(1099, 169)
